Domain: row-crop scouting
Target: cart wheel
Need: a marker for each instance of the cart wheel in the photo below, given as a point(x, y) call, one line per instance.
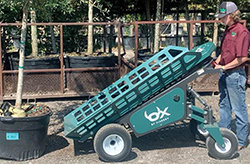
point(197, 131)
point(112, 143)
point(231, 145)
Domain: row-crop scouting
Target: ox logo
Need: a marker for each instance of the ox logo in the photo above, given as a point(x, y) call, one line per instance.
point(156, 115)
point(199, 49)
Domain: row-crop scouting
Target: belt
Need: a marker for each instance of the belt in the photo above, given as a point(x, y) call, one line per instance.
point(234, 69)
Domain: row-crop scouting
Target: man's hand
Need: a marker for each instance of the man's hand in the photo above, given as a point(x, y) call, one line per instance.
point(219, 67)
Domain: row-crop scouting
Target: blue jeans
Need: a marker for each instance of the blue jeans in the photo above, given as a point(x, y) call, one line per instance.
point(232, 98)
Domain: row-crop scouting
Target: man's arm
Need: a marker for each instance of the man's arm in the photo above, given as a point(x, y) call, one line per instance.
point(236, 62)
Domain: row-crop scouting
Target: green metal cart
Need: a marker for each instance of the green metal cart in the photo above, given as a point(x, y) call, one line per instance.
point(152, 96)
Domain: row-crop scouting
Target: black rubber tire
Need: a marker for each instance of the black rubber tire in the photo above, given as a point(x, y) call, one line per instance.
point(231, 143)
point(193, 126)
point(117, 141)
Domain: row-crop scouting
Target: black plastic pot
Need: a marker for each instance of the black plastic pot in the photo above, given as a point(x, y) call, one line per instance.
point(144, 54)
point(91, 61)
point(23, 138)
point(36, 63)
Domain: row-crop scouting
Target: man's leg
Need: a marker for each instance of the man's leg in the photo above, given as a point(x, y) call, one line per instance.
point(236, 88)
point(224, 103)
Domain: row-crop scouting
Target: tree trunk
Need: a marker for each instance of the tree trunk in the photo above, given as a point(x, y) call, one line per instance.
point(90, 28)
point(53, 38)
point(215, 35)
point(33, 34)
point(21, 57)
point(177, 27)
point(188, 25)
point(150, 26)
point(111, 38)
point(157, 26)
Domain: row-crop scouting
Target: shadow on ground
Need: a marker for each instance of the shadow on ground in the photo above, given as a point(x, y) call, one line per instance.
point(163, 139)
point(55, 142)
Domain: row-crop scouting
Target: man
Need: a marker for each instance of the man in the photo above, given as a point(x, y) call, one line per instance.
point(234, 53)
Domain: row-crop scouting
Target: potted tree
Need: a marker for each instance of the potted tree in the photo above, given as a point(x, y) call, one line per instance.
point(24, 128)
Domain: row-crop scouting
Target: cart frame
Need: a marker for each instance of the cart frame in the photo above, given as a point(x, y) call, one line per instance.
point(153, 96)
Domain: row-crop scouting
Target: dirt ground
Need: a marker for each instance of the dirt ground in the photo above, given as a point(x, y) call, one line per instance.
point(167, 146)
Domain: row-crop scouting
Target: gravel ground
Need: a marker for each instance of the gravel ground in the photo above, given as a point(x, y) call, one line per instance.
point(167, 146)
